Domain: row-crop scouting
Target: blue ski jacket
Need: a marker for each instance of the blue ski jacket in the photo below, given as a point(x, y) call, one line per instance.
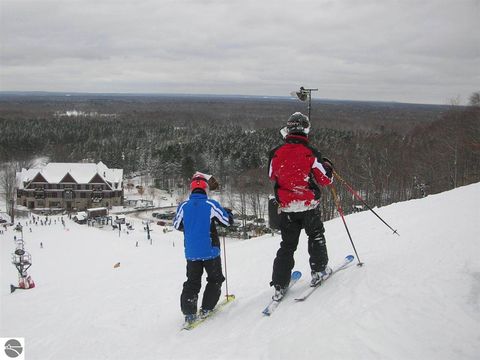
point(195, 217)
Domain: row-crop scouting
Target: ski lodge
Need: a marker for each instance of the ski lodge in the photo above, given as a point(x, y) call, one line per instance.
point(70, 186)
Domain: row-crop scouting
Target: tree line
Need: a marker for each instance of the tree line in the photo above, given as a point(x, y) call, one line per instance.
point(389, 152)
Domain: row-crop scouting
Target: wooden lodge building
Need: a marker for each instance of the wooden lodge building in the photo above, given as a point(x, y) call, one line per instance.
point(70, 186)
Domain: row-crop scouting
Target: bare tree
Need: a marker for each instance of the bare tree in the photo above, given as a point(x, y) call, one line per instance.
point(475, 99)
point(8, 182)
point(152, 192)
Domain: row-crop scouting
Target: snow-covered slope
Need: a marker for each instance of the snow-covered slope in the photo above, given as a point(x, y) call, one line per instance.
point(416, 297)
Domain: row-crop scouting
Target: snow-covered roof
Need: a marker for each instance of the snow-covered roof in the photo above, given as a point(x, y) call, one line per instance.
point(80, 216)
point(97, 209)
point(82, 173)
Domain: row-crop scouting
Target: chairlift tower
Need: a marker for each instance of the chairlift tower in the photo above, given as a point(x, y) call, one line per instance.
point(147, 229)
point(22, 261)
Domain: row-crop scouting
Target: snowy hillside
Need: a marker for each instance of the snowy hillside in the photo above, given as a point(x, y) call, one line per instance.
point(417, 297)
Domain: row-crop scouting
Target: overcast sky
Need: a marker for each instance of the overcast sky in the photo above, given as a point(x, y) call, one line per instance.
point(410, 51)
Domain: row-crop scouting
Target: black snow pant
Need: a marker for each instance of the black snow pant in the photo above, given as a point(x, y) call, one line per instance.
point(191, 287)
point(291, 224)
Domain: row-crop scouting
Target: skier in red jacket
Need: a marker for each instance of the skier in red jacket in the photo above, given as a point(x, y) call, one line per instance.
point(298, 170)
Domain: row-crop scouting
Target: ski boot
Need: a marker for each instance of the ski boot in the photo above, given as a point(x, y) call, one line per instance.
point(204, 313)
point(190, 318)
point(318, 277)
point(279, 293)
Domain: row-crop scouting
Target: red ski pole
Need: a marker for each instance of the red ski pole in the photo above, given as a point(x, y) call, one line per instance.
point(340, 211)
point(349, 188)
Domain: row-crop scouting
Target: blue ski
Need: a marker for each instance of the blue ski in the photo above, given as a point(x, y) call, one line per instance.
point(348, 259)
point(274, 303)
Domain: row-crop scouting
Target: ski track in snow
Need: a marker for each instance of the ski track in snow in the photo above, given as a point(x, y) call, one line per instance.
point(416, 297)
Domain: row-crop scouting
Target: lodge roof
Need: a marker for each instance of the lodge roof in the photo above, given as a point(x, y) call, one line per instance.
point(80, 173)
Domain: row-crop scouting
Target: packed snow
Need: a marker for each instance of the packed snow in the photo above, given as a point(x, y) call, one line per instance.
point(416, 297)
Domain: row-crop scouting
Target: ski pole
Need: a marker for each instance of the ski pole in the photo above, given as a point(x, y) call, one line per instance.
point(349, 188)
point(340, 211)
point(226, 273)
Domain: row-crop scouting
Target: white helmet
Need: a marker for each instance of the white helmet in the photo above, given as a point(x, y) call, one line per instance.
point(297, 124)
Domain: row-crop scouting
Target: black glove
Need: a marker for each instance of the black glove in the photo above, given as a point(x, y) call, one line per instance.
point(328, 166)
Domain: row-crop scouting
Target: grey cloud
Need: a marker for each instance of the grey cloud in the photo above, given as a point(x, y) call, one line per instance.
point(243, 47)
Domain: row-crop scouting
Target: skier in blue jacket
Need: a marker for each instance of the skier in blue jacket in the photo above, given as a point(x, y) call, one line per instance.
point(196, 217)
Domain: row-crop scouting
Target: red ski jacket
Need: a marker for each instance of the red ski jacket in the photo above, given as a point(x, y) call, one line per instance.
point(297, 170)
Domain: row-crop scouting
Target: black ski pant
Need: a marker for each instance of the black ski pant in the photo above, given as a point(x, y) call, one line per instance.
point(291, 224)
point(191, 287)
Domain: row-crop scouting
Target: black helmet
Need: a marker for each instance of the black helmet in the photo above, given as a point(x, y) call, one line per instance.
point(298, 124)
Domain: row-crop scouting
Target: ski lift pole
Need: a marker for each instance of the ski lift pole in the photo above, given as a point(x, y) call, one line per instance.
point(350, 189)
point(305, 95)
point(340, 211)
point(226, 273)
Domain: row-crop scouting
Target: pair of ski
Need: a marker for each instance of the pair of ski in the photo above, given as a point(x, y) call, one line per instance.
point(200, 319)
point(296, 275)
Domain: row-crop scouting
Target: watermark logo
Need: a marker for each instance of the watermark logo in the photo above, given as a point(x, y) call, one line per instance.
point(13, 348)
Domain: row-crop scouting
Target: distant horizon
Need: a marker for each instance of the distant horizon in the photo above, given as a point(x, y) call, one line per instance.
point(152, 94)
